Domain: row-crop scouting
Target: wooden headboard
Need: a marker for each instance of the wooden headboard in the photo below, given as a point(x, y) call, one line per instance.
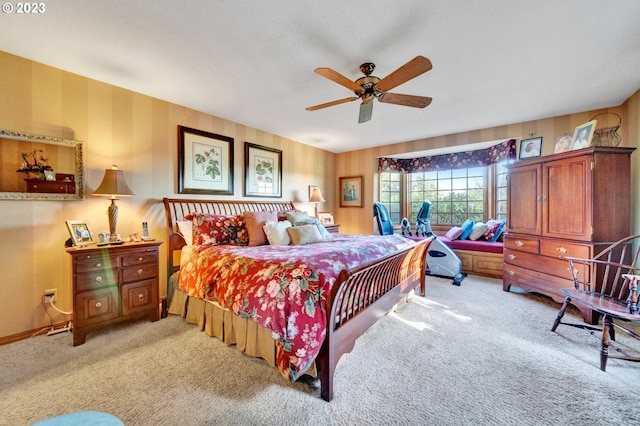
point(176, 209)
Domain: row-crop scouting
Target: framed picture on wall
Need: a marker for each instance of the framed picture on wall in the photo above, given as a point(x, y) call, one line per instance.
point(262, 171)
point(351, 191)
point(530, 148)
point(205, 162)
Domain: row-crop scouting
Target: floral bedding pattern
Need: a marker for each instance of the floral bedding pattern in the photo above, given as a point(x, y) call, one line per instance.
point(282, 288)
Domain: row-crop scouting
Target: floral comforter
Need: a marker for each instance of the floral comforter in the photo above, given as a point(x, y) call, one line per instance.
point(282, 288)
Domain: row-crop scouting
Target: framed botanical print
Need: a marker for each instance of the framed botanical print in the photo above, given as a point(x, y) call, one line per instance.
point(262, 171)
point(205, 162)
point(351, 191)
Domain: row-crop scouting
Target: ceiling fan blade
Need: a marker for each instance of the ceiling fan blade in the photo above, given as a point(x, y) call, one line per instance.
point(366, 108)
point(406, 100)
point(338, 78)
point(411, 69)
point(332, 103)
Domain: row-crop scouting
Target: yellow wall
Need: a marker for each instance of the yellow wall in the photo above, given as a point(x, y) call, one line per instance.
point(364, 162)
point(136, 132)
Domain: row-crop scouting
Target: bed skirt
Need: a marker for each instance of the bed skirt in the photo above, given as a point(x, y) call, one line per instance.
point(216, 321)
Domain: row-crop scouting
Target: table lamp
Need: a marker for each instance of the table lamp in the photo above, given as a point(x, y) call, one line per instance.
point(316, 197)
point(113, 185)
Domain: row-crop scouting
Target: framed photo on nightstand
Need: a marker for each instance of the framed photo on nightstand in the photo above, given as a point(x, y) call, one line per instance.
point(81, 233)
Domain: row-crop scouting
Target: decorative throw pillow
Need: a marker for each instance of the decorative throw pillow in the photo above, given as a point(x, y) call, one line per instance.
point(305, 234)
point(478, 230)
point(255, 222)
point(467, 227)
point(494, 229)
point(282, 214)
point(211, 229)
point(454, 233)
point(314, 221)
point(277, 232)
point(294, 217)
point(237, 230)
point(185, 227)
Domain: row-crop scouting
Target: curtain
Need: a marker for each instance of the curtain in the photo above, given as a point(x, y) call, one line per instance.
point(479, 158)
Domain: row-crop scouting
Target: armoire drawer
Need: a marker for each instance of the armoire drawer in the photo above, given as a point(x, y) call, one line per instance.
point(549, 265)
point(557, 248)
point(516, 242)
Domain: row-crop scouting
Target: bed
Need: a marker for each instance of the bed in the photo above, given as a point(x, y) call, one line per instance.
point(300, 307)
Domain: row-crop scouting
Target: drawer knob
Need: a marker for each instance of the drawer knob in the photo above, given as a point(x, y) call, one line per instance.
point(99, 279)
point(140, 297)
point(140, 271)
point(140, 259)
point(519, 243)
point(561, 250)
point(511, 272)
point(512, 257)
point(98, 265)
point(98, 305)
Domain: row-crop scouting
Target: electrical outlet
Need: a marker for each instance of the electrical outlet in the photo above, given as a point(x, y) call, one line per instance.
point(50, 295)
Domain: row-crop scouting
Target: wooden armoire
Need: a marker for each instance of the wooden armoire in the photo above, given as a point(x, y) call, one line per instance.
point(574, 203)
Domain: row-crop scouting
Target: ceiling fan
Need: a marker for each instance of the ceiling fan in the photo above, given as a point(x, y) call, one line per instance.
point(370, 87)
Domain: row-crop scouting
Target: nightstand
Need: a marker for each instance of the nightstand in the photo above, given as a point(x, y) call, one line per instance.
point(333, 228)
point(113, 283)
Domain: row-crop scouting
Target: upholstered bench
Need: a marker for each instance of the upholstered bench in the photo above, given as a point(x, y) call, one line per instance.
point(478, 257)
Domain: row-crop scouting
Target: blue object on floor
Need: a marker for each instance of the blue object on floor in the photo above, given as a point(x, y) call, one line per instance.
point(82, 418)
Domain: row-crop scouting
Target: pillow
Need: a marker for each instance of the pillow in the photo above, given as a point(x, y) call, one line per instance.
point(305, 234)
point(494, 229)
point(185, 228)
point(237, 230)
point(294, 217)
point(277, 232)
point(314, 221)
point(282, 214)
point(254, 222)
point(454, 233)
point(478, 230)
point(467, 227)
point(213, 229)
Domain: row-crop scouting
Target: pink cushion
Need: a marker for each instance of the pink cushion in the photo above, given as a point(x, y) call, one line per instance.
point(255, 222)
point(454, 233)
point(478, 245)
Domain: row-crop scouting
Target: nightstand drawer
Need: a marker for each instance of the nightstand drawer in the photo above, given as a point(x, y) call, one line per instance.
point(96, 279)
point(95, 263)
point(139, 296)
point(149, 256)
point(96, 306)
point(139, 272)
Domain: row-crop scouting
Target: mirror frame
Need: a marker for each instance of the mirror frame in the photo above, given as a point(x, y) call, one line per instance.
point(79, 171)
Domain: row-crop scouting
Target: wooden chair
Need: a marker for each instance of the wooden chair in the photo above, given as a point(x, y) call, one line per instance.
point(607, 284)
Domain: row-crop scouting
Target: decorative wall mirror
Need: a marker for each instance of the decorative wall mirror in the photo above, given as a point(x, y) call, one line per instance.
point(40, 167)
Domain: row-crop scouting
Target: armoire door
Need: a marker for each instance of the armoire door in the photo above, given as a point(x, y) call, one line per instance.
point(567, 193)
point(524, 196)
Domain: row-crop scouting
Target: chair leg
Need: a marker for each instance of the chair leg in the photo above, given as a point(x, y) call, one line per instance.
point(557, 322)
point(607, 324)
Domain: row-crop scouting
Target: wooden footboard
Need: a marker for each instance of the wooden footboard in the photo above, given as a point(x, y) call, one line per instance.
point(362, 296)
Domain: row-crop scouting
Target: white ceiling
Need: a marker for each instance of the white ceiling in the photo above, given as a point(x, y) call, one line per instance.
point(495, 62)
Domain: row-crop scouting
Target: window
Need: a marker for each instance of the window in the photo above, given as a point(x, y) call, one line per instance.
point(475, 193)
point(390, 194)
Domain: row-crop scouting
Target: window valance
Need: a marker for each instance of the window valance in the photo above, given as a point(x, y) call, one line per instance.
point(479, 158)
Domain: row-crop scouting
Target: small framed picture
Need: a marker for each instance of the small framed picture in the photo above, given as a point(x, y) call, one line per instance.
point(351, 191)
point(530, 148)
point(583, 135)
point(49, 175)
point(325, 218)
point(563, 143)
point(80, 232)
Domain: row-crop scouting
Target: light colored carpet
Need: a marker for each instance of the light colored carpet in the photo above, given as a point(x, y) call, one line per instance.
point(463, 355)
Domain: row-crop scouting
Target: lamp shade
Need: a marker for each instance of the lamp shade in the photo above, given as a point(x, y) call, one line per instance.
point(316, 196)
point(113, 184)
